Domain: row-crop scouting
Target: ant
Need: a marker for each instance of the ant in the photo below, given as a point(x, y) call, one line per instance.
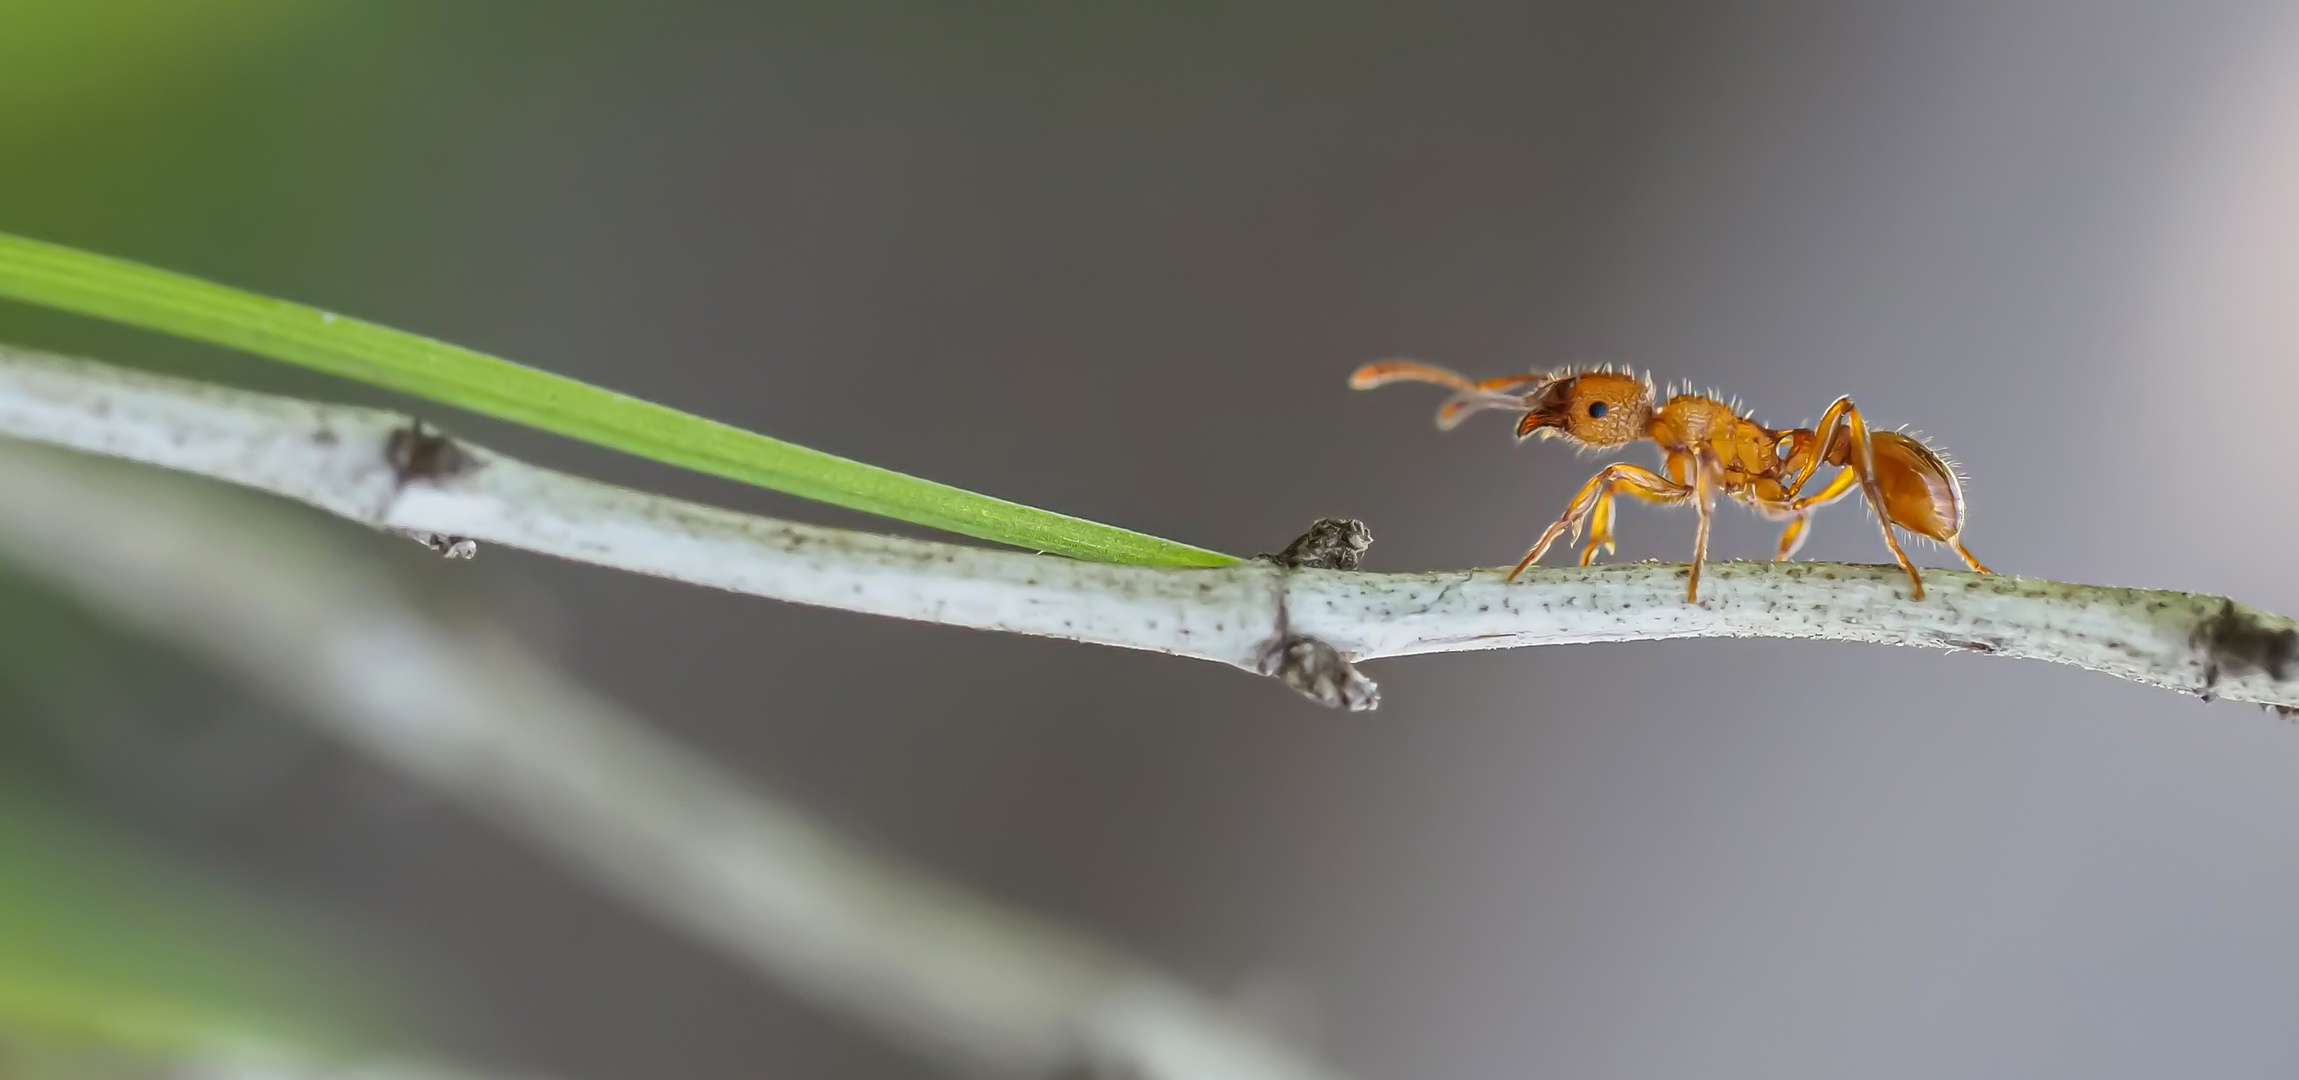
point(1707, 446)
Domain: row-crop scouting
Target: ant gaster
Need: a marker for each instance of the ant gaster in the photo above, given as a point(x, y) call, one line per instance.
point(1707, 447)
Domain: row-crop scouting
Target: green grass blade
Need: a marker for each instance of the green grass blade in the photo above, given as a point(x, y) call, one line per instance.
point(60, 277)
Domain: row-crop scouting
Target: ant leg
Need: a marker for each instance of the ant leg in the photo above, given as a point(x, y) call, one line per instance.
point(1861, 460)
point(1970, 559)
point(1702, 500)
point(1637, 480)
point(1800, 511)
point(1600, 517)
point(1792, 537)
point(1600, 528)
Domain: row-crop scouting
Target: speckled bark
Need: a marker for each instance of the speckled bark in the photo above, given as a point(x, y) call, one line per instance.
point(2203, 645)
point(1280, 616)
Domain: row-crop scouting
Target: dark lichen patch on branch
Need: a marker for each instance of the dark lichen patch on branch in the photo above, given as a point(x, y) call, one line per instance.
point(2236, 641)
point(1330, 544)
point(415, 454)
point(430, 456)
point(1319, 672)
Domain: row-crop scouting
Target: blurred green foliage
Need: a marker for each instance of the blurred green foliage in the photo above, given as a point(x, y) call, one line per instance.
point(105, 941)
point(102, 937)
point(139, 122)
point(86, 61)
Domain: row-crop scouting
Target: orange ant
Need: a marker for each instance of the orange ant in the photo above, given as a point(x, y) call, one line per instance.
point(1707, 447)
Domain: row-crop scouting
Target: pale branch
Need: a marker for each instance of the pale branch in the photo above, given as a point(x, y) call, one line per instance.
point(1305, 626)
point(457, 704)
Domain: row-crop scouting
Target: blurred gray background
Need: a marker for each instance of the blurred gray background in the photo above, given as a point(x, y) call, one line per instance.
point(1116, 260)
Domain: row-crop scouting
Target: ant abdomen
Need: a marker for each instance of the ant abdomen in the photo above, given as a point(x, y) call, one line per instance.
point(1920, 490)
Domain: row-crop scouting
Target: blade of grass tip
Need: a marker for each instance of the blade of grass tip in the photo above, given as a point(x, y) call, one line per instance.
point(68, 279)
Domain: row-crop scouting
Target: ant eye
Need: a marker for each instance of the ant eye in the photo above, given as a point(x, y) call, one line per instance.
point(1597, 410)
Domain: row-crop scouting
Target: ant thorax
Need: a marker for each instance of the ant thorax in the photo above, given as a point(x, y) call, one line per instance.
point(1694, 422)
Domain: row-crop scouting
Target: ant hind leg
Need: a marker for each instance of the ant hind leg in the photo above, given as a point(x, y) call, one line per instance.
point(1965, 554)
point(1861, 462)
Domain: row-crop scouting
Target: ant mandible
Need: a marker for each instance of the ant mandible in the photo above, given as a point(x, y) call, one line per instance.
point(1707, 447)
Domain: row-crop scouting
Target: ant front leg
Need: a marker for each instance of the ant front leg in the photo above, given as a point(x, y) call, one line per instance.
point(1594, 503)
point(1600, 528)
point(1600, 518)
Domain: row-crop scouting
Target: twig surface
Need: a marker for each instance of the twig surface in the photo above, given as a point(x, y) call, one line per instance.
point(457, 704)
point(1305, 626)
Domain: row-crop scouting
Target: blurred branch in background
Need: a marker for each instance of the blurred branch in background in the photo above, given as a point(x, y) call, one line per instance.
point(39, 1058)
point(462, 707)
point(1305, 626)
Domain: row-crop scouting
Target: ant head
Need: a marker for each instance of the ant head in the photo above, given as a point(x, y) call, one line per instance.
point(1593, 408)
